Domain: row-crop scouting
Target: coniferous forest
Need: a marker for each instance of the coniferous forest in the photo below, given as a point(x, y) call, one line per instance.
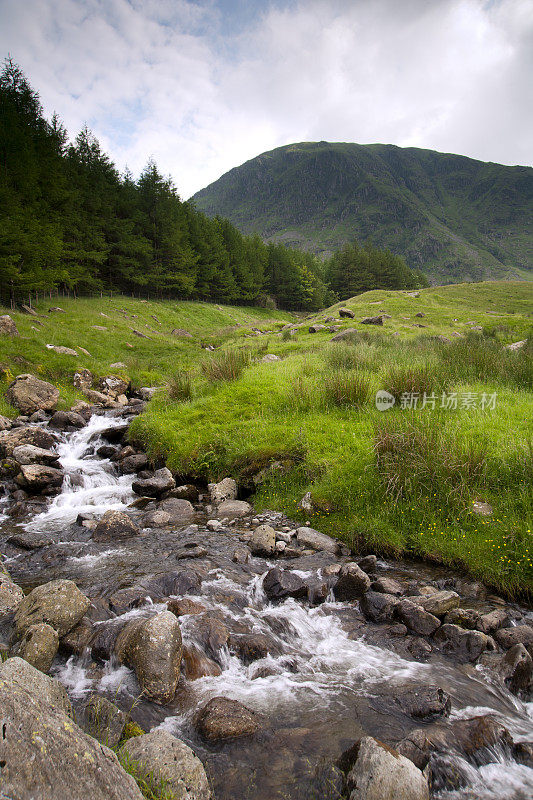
point(70, 222)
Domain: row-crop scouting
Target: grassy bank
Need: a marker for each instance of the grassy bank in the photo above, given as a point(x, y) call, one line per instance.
point(408, 480)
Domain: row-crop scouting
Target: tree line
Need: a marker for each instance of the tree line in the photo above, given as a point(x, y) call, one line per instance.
point(70, 221)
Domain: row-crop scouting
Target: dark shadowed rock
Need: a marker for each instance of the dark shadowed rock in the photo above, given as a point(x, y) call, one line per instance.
point(115, 525)
point(346, 313)
point(352, 582)
point(518, 634)
point(29, 394)
point(67, 421)
point(182, 606)
point(154, 486)
point(378, 320)
point(222, 718)
point(133, 463)
point(462, 644)
point(378, 607)
point(491, 622)
point(424, 702)
point(252, 646)
point(209, 632)
point(516, 669)
point(104, 720)
point(279, 584)
point(416, 619)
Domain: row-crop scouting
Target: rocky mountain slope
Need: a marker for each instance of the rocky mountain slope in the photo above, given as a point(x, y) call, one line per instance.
point(453, 217)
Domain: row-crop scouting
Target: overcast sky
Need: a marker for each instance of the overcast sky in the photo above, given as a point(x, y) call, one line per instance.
point(203, 85)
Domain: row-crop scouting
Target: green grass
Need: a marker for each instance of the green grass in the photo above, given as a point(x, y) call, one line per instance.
point(396, 482)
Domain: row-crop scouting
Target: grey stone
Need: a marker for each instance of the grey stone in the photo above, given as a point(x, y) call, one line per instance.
point(279, 584)
point(29, 394)
point(378, 320)
point(440, 602)
point(378, 607)
point(38, 437)
point(516, 669)
point(161, 757)
point(489, 623)
point(233, 509)
point(18, 672)
point(352, 582)
point(386, 585)
point(67, 421)
point(39, 645)
point(178, 510)
point(154, 486)
point(11, 595)
point(115, 525)
point(381, 773)
point(308, 537)
point(462, 644)
point(224, 490)
point(29, 454)
point(59, 603)
point(222, 718)
point(263, 542)
point(346, 313)
point(7, 326)
point(36, 477)
point(416, 619)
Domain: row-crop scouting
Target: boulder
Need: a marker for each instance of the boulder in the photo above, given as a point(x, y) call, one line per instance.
point(464, 645)
point(251, 647)
point(416, 619)
point(352, 582)
point(58, 603)
point(518, 634)
point(153, 648)
point(316, 328)
point(38, 437)
point(115, 525)
point(386, 585)
point(29, 454)
point(197, 664)
point(489, 623)
point(308, 537)
point(18, 672)
point(97, 398)
point(222, 718)
point(36, 477)
point(263, 542)
point(425, 702)
point(162, 759)
point(83, 379)
point(39, 645)
point(155, 519)
point(372, 321)
point(378, 607)
point(63, 351)
point(465, 617)
point(279, 584)
point(416, 747)
point(183, 606)
point(233, 509)
point(161, 481)
point(29, 540)
point(381, 773)
point(178, 510)
point(45, 755)
point(224, 490)
point(347, 333)
point(29, 394)
point(346, 313)
point(209, 632)
point(67, 421)
point(113, 385)
point(11, 595)
point(516, 669)
point(104, 720)
point(7, 326)
point(133, 463)
point(439, 603)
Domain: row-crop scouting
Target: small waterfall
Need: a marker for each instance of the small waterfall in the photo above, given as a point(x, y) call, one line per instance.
point(90, 485)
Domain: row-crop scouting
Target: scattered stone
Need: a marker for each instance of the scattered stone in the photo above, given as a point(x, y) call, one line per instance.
point(278, 584)
point(378, 607)
point(482, 509)
point(154, 486)
point(347, 333)
point(181, 332)
point(115, 525)
point(352, 582)
point(97, 398)
point(316, 328)
point(7, 326)
point(35, 477)
point(372, 321)
point(153, 648)
point(241, 555)
point(263, 542)
point(98, 327)
point(346, 313)
point(39, 646)
point(386, 585)
point(516, 345)
point(63, 351)
point(416, 619)
point(425, 702)
point(156, 519)
point(118, 365)
point(270, 358)
point(29, 394)
point(518, 634)
point(381, 773)
point(58, 603)
point(440, 602)
point(56, 310)
point(308, 537)
point(462, 644)
point(178, 510)
point(233, 509)
point(222, 718)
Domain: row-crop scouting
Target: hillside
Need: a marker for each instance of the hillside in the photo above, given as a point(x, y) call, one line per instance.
point(453, 217)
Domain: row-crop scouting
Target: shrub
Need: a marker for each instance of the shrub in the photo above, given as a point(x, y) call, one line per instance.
point(225, 365)
point(179, 387)
point(346, 388)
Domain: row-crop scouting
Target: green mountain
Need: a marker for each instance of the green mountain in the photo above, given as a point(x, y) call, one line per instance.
point(449, 215)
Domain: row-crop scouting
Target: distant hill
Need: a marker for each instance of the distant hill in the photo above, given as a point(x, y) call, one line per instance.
point(452, 216)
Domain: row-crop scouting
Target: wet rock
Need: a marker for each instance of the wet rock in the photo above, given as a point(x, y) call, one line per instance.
point(523, 753)
point(253, 646)
point(209, 632)
point(233, 509)
point(161, 481)
point(465, 617)
point(29, 454)
point(425, 702)
point(489, 623)
point(378, 320)
point(224, 490)
point(472, 738)
point(462, 644)
point(67, 421)
point(115, 433)
point(416, 619)
point(78, 639)
point(161, 758)
point(346, 313)
point(45, 755)
point(133, 463)
point(59, 603)
point(516, 669)
point(241, 555)
point(186, 492)
point(29, 394)
point(191, 550)
point(32, 435)
point(125, 599)
point(352, 582)
point(381, 773)
point(36, 477)
point(197, 664)
point(104, 720)
point(183, 581)
point(181, 606)
point(368, 563)
point(115, 525)
point(440, 603)
point(153, 648)
point(155, 519)
point(416, 747)
point(518, 634)
point(387, 586)
point(378, 607)
point(279, 584)
point(308, 537)
point(178, 510)
point(222, 718)
point(11, 595)
point(106, 451)
point(7, 326)
point(39, 646)
point(17, 672)
point(263, 542)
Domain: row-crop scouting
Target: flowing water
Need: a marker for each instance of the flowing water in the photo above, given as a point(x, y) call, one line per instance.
point(330, 676)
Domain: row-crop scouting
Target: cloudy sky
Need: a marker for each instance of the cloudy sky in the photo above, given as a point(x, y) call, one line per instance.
point(203, 85)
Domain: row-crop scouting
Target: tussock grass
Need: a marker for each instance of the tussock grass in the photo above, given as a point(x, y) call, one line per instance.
point(179, 387)
point(420, 380)
point(482, 358)
point(347, 388)
point(226, 365)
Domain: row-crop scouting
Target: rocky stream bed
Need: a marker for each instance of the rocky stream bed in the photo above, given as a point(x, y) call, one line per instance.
point(271, 650)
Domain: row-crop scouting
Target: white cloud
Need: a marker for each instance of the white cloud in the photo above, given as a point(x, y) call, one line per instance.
point(156, 78)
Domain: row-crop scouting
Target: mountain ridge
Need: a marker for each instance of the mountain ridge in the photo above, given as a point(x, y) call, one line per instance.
point(453, 216)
